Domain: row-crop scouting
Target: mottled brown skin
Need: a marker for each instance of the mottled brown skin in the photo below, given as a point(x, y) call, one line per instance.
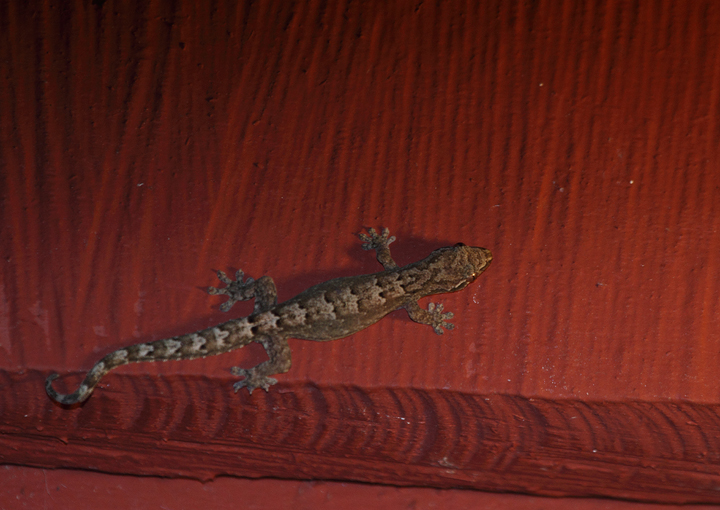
point(328, 311)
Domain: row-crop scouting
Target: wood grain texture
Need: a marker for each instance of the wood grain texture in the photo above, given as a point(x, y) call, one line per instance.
point(632, 450)
point(144, 144)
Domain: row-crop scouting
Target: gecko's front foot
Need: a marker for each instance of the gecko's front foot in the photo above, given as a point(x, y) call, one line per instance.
point(235, 290)
point(437, 318)
point(252, 380)
point(376, 241)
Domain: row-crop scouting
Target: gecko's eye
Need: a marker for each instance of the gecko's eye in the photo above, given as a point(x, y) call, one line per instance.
point(459, 244)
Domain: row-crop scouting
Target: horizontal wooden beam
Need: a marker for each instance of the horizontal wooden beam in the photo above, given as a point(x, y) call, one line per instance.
point(198, 428)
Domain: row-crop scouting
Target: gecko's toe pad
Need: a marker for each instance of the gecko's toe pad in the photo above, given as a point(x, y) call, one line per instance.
point(438, 318)
point(252, 380)
point(236, 290)
point(375, 241)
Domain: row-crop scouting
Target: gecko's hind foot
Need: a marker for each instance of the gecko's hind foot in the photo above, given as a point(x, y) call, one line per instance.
point(252, 380)
point(376, 241)
point(237, 290)
point(437, 318)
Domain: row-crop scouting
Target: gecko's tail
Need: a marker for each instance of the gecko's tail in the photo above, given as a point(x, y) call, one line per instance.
point(102, 367)
point(160, 350)
point(86, 387)
point(194, 345)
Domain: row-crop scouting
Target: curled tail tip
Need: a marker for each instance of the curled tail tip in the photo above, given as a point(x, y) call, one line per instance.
point(48, 386)
point(57, 397)
point(73, 398)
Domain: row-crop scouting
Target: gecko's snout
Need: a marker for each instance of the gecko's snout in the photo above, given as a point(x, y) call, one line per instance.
point(487, 254)
point(480, 259)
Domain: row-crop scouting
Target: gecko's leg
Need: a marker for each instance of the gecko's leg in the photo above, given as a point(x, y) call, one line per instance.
point(433, 316)
point(263, 290)
point(280, 360)
point(381, 244)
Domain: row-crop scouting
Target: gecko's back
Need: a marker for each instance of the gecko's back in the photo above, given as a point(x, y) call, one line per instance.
point(343, 306)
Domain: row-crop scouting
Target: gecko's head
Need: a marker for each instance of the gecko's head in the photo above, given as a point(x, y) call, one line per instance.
point(460, 265)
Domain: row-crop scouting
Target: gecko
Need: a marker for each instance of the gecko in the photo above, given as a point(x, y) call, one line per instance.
point(330, 310)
